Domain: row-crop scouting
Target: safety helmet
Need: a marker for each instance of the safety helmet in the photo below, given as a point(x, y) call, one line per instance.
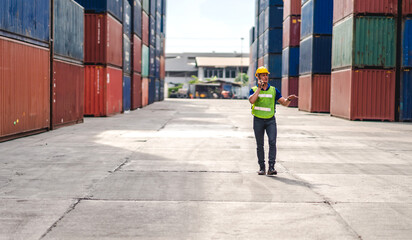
point(261, 70)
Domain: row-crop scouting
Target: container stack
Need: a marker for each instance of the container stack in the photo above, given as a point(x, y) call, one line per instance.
point(145, 52)
point(136, 83)
point(405, 106)
point(363, 84)
point(315, 55)
point(290, 52)
point(103, 57)
point(252, 56)
point(127, 56)
point(24, 68)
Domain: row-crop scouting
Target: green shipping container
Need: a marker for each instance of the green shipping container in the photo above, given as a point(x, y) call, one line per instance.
point(145, 4)
point(366, 41)
point(145, 61)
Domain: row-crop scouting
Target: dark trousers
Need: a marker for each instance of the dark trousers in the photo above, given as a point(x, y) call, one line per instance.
point(259, 126)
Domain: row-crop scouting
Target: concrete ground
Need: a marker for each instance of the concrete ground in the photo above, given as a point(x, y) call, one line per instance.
point(186, 169)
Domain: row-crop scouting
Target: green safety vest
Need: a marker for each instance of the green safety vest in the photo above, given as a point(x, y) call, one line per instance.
point(264, 107)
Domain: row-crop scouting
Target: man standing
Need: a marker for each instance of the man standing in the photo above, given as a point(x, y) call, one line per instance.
point(263, 98)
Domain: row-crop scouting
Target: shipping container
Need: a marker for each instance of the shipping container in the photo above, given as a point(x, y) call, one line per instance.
point(304, 1)
point(103, 90)
point(145, 91)
point(276, 82)
point(68, 29)
point(162, 90)
point(157, 64)
point(158, 23)
point(27, 22)
point(275, 3)
point(145, 5)
point(274, 40)
point(162, 68)
point(158, 46)
point(274, 17)
point(127, 18)
point(274, 64)
point(145, 61)
point(261, 46)
point(291, 32)
point(159, 6)
point(290, 85)
point(291, 8)
point(263, 4)
point(152, 5)
point(127, 91)
point(24, 88)
point(344, 8)
point(164, 7)
point(137, 18)
point(157, 91)
point(405, 108)
point(314, 93)
point(407, 7)
point(152, 31)
point(137, 54)
point(363, 94)
point(316, 18)
point(145, 29)
point(261, 25)
point(368, 41)
point(152, 90)
point(136, 91)
point(163, 29)
point(315, 55)
point(290, 62)
point(68, 93)
point(261, 62)
point(152, 61)
point(407, 43)
point(127, 54)
point(114, 7)
point(103, 40)
point(251, 36)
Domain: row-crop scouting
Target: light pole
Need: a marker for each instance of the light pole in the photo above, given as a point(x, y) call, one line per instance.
point(241, 59)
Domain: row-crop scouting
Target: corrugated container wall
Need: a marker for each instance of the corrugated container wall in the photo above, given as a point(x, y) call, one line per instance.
point(290, 62)
point(137, 18)
point(145, 91)
point(127, 91)
point(114, 7)
point(103, 40)
point(273, 17)
point(145, 29)
point(274, 64)
point(291, 8)
point(137, 54)
point(68, 29)
point(127, 54)
point(274, 40)
point(405, 108)
point(145, 5)
point(152, 4)
point(152, 31)
point(136, 91)
point(344, 8)
point(290, 85)
point(315, 55)
point(145, 61)
point(291, 31)
point(367, 94)
point(368, 41)
point(28, 22)
point(316, 18)
point(407, 43)
point(314, 93)
point(407, 7)
point(24, 88)
point(127, 19)
point(103, 91)
point(68, 93)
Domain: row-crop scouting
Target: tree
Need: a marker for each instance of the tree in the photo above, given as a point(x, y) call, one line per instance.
point(242, 78)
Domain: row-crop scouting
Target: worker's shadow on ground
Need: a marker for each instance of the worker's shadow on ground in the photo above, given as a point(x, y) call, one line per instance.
point(288, 181)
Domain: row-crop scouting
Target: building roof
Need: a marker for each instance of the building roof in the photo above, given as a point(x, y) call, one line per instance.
point(222, 62)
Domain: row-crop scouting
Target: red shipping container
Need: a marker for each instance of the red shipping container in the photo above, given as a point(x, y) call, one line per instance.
point(103, 40)
point(290, 85)
point(68, 93)
point(314, 93)
point(291, 7)
point(103, 91)
point(162, 68)
point(24, 89)
point(145, 92)
point(343, 8)
point(136, 91)
point(367, 94)
point(145, 29)
point(137, 54)
point(407, 7)
point(291, 32)
point(261, 62)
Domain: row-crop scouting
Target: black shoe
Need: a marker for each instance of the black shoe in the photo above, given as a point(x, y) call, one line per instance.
point(272, 171)
point(262, 171)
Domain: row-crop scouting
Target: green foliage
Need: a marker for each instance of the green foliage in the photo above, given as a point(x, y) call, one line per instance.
point(195, 80)
point(242, 78)
point(175, 89)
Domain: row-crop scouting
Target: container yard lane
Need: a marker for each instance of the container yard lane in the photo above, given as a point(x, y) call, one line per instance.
point(186, 169)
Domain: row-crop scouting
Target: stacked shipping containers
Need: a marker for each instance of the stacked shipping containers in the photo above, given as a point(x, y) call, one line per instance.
point(137, 55)
point(315, 55)
point(290, 52)
point(145, 52)
point(405, 106)
point(127, 55)
point(364, 59)
point(103, 57)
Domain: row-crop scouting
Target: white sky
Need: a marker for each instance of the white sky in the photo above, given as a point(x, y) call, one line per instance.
point(208, 25)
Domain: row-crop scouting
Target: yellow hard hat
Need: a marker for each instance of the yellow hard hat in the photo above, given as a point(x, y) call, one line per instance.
point(261, 70)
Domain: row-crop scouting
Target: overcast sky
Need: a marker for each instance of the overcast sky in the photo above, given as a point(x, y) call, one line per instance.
point(208, 25)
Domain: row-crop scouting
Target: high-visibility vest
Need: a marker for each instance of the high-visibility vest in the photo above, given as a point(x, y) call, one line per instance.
point(264, 107)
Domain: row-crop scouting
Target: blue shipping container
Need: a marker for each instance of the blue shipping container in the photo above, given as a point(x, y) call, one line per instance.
point(152, 90)
point(276, 82)
point(153, 7)
point(26, 20)
point(127, 18)
point(137, 18)
point(115, 7)
point(152, 63)
point(275, 40)
point(274, 64)
point(152, 31)
point(275, 2)
point(127, 53)
point(315, 55)
point(157, 68)
point(290, 62)
point(68, 29)
point(164, 7)
point(257, 8)
point(158, 23)
point(317, 18)
point(157, 91)
point(274, 17)
point(159, 9)
point(407, 43)
point(127, 93)
point(405, 113)
point(261, 41)
point(262, 26)
point(158, 46)
point(162, 89)
point(263, 4)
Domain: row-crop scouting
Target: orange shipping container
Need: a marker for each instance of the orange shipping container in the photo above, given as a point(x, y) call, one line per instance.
point(136, 91)
point(145, 92)
point(344, 8)
point(145, 29)
point(103, 91)
point(291, 7)
point(367, 94)
point(291, 32)
point(290, 85)
point(68, 93)
point(314, 93)
point(24, 89)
